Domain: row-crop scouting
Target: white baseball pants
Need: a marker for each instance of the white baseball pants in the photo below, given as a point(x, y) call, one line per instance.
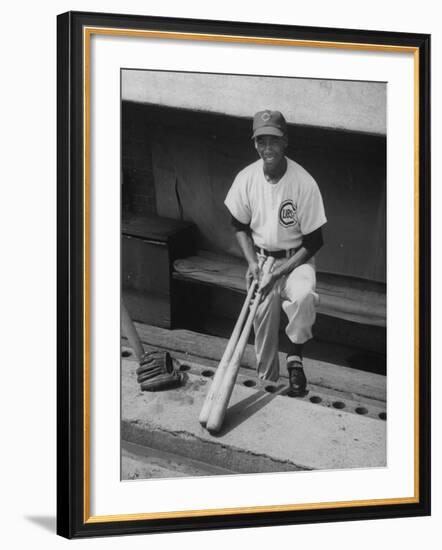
point(295, 293)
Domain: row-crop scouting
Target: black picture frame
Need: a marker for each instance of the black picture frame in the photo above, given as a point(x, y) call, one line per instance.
point(73, 519)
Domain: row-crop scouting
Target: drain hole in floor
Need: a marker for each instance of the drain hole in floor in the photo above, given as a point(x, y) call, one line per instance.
point(270, 389)
point(339, 405)
point(249, 383)
point(207, 373)
point(126, 353)
point(383, 416)
point(361, 410)
point(184, 368)
point(315, 399)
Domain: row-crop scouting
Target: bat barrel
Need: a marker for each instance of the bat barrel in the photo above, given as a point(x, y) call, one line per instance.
point(222, 397)
point(223, 394)
point(227, 355)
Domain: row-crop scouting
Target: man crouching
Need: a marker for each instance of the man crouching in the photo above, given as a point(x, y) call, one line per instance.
point(277, 210)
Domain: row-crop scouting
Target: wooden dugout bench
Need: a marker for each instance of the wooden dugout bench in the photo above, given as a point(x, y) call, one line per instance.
point(168, 283)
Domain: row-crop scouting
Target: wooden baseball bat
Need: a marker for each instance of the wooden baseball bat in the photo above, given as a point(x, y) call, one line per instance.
point(219, 374)
point(129, 330)
point(222, 397)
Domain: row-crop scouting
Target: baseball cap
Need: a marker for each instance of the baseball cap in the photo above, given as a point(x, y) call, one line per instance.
point(269, 123)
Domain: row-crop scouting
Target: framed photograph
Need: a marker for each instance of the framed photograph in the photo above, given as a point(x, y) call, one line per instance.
point(243, 274)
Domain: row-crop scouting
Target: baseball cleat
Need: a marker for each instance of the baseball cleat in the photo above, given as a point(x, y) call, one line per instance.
point(297, 379)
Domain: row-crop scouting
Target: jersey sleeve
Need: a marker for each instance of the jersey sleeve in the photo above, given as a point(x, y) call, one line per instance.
point(237, 200)
point(311, 213)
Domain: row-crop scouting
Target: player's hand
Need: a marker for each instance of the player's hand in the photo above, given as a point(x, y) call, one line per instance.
point(253, 273)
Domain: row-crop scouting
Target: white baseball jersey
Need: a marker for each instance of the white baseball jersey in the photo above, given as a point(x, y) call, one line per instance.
point(279, 214)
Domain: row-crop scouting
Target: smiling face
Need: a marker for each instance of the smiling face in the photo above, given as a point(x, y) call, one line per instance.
point(272, 150)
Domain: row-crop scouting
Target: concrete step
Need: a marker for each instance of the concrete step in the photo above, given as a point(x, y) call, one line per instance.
point(142, 462)
point(331, 374)
point(263, 431)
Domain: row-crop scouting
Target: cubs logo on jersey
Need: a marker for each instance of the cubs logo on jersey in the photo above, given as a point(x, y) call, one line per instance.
point(287, 214)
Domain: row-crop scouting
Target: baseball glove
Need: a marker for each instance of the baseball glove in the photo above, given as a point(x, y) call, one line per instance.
point(156, 372)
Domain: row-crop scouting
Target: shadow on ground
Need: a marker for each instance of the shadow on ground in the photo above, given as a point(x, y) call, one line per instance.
point(244, 409)
point(48, 523)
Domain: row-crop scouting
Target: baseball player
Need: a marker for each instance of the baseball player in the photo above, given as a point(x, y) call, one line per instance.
point(277, 210)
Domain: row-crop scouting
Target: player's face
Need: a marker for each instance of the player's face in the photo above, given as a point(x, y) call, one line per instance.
point(271, 149)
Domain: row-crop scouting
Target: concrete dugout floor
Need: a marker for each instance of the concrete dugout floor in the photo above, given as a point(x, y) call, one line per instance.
point(264, 431)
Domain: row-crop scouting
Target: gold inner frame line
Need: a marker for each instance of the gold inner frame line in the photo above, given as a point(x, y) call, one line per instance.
point(87, 33)
point(205, 37)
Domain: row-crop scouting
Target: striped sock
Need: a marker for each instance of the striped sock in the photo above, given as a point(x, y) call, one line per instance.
point(297, 359)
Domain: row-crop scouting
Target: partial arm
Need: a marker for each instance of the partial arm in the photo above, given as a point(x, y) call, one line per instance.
point(311, 243)
point(242, 233)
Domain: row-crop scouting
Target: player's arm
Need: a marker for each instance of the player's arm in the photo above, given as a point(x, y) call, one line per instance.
point(311, 243)
point(242, 232)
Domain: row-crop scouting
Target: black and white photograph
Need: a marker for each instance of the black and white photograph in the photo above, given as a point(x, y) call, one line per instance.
point(220, 234)
point(253, 274)
point(243, 274)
